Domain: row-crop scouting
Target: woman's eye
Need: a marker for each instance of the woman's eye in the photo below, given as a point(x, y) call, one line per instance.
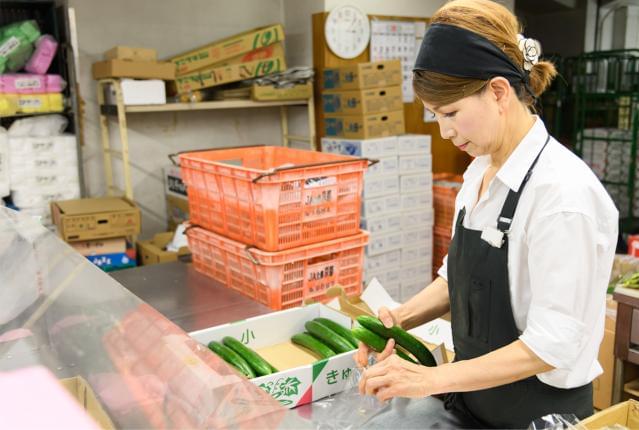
point(450, 114)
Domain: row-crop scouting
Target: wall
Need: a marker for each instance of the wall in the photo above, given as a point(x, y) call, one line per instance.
point(162, 25)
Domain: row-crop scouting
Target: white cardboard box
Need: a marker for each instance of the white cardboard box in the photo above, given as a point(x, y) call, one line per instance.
point(385, 275)
point(416, 183)
point(381, 243)
point(54, 146)
point(372, 148)
point(418, 271)
point(385, 166)
point(388, 259)
point(419, 217)
point(408, 144)
point(421, 163)
point(382, 224)
point(139, 92)
point(415, 254)
point(381, 206)
point(294, 386)
point(417, 236)
point(380, 186)
point(409, 288)
point(414, 201)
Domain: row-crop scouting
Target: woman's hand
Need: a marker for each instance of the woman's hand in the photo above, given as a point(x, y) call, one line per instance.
point(396, 377)
point(389, 320)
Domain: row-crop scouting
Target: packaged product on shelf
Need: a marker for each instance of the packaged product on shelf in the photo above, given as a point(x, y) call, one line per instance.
point(31, 103)
point(45, 49)
point(48, 126)
point(138, 92)
point(130, 53)
point(25, 83)
point(16, 44)
point(8, 104)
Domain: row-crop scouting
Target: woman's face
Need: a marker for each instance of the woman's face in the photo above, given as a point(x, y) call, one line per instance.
point(473, 123)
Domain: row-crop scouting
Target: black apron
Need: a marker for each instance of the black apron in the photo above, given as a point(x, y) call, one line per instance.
point(482, 321)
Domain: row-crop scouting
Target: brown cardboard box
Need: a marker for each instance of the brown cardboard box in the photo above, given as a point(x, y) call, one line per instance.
point(99, 218)
point(625, 414)
point(133, 69)
point(364, 126)
point(228, 48)
point(263, 93)
point(154, 251)
point(82, 392)
point(177, 209)
point(232, 73)
point(102, 246)
point(271, 51)
point(358, 102)
point(363, 75)
point(131, 53)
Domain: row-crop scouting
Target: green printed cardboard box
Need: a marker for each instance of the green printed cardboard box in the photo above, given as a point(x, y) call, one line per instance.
point(302, 378)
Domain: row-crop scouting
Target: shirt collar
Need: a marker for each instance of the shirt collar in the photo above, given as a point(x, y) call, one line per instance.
point(517, 164)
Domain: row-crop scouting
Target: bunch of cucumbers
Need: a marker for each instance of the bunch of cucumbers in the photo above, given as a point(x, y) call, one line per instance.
point(325, 338)
point(374, 334)
point(243, 358)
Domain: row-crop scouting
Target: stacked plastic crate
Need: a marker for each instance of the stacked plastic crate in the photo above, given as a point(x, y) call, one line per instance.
point(276, 224)
point(397, 209)
point(445, 189)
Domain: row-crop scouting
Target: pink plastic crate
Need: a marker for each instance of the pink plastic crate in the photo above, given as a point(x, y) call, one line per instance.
point(24, 83)
point(39, 63)
point(283, 279)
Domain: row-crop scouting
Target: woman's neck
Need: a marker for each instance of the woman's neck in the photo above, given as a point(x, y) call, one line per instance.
point(522, 121)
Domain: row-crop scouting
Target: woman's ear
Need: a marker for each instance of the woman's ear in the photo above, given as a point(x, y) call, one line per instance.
point(501, 92)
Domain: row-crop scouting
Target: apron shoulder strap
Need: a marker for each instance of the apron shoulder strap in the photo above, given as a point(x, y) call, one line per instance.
point(512, 200)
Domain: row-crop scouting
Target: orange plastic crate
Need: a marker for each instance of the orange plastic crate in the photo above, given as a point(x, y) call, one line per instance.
point(274, 198)
point(283, 279)
point(444, 199)
point(441, 241)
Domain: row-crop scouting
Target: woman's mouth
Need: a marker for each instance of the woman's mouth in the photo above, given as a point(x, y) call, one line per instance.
point(463, 147)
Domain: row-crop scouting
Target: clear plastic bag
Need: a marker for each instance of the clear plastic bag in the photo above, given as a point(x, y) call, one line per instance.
point(556, 422)
point(346, 410)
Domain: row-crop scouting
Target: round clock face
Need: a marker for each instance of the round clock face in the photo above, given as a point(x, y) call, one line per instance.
point(347, 31)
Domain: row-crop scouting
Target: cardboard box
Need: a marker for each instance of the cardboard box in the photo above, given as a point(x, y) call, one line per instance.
point(133, 69)
point(416, 182)
point(384, 223)
point(103, 246)
point(139, 92)
point(422, 163)
point(370, 148)
point(364, 126)
point(265, 53)
point(99, 218)
point(130, 53)
point(154, 251)
point(381, 243)
point(177, 209)
point(380, 206)
point(80, 390)
point(385, 166)
point(624, 414)
point(302, 377)
point(363, 76)
point(409, 144)
point(262, 93)
point(215, 76)
point(380, 186)
point(360, 102)
point(227, 48)
point(376, 262)
point(112, 262)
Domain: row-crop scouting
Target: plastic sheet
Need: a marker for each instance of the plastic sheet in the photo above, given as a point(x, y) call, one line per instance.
point(556, 422)
point(39, 126)
point(60, 311)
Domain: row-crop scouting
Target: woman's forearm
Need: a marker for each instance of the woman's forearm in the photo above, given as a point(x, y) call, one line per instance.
point(430, 303)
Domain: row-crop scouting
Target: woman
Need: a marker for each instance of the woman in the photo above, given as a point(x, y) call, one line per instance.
point(533, 242)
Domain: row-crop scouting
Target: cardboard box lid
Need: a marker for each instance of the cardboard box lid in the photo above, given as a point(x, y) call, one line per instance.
point(97, 205)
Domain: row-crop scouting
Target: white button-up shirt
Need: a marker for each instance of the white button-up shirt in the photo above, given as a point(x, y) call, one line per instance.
point(561, 247)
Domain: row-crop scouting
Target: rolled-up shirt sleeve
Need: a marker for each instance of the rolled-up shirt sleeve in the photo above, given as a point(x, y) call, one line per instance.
point(567, 299)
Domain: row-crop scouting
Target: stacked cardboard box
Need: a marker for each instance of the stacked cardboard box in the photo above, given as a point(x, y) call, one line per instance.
point(135, 63)
point(247, 55)
point(98, 229)
point(363, 101)
point(397, 209)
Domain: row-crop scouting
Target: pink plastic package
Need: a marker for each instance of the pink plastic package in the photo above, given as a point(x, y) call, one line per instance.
point(39, 63)
point(23, 83)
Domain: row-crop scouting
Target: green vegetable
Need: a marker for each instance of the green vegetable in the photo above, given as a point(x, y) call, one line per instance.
point(329, 337)
point(405, 356)
point(402, 338)
point(232, 358)
point(257, 363)
point(339, 329)
point(376, 342)
point(314, 345)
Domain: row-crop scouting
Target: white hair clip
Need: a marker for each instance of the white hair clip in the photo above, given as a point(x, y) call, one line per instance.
point(531, 49)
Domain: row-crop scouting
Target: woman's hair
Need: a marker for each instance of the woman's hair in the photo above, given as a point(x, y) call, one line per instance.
point(495, 23)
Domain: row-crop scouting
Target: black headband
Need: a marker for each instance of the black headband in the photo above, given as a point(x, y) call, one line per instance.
point(455, 51)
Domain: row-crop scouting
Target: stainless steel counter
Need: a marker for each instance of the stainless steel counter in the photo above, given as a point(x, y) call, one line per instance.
point(189, 299)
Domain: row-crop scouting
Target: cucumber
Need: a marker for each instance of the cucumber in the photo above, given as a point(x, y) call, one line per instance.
point(257, 363)
point(309, 342)
point(374, 341)
point(329, 337)
point(340, 330)
point(232, 358)
point(402, 338)
point(402, 354)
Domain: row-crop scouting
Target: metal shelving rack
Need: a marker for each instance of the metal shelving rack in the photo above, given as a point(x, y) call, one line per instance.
point(119, 111)
point(606, 118)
